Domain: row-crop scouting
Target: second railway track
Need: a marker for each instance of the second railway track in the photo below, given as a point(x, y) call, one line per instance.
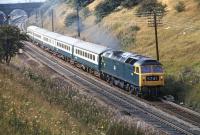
point(128, 104)
point(179, 112)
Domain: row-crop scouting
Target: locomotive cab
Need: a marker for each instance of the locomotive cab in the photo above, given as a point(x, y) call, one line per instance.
point(151, 75)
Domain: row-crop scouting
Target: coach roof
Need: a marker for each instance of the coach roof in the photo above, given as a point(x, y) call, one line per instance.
point(91, 47)
point(95, 48)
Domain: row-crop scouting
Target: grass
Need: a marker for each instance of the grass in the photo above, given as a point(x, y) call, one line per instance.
point(32, 102)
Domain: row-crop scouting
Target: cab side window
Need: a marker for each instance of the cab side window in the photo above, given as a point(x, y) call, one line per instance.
point(137, 69)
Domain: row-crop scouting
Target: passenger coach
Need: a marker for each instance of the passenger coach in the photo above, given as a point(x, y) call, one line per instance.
point(87, 55)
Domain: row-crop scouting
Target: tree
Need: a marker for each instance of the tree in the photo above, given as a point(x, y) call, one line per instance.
point(82, 3)
point(10, 42)
point(149, 6)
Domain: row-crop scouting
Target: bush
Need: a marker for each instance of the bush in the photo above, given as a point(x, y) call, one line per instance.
point(83, 3)
point(105, 8)
point(85, 12)
point(122, 129)
point(70, 19)
point(180, 6)
point(108, 6)
point(182, 84)
point(130, 3)
point(128, 37)
point(148, 6)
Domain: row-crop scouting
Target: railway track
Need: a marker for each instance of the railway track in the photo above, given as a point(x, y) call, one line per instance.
point(126, 103)
point(180, 112)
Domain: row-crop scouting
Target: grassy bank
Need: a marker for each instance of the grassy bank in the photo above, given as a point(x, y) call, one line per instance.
point(33, 102)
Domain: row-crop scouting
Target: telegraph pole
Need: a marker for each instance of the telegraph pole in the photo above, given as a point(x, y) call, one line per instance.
point(156, 34)
point(78, 18)
point(155, 20)
point(8, 20)
point(41, 18)
point(52, 20)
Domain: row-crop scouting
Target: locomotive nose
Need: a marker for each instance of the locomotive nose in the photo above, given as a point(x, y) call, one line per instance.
point(152, 80)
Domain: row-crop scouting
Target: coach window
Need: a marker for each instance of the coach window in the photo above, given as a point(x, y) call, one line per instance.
point(93, 57)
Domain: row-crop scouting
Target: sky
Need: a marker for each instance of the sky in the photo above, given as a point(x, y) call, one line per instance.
point(16, 1)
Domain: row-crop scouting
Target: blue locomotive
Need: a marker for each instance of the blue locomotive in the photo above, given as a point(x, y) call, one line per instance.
point(138, 74)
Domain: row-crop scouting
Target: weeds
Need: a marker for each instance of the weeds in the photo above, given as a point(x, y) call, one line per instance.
point(12, 123)
point(57, 92)
point(184, 87)
point(129, 37)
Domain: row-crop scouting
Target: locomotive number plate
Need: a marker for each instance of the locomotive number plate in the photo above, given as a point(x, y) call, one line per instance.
point(152, 78)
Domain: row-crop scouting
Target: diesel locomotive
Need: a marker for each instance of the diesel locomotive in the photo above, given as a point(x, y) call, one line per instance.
point(135, 73)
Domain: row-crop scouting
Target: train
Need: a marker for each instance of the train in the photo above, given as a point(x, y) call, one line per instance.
point(137, 74)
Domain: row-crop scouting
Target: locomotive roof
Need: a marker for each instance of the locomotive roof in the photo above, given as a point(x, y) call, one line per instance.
point(131, 58)
point(95, 48)
point(149, 61)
